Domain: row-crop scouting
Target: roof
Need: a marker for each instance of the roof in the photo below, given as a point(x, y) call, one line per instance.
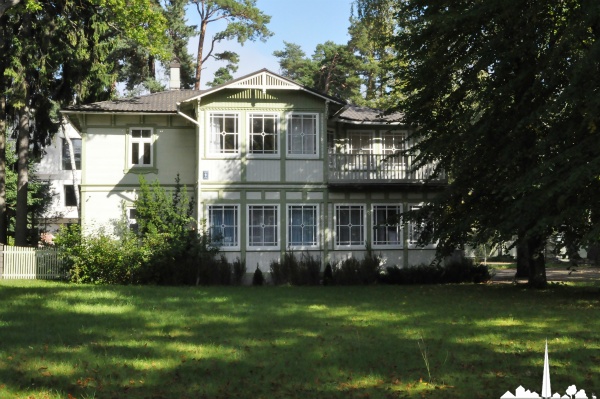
point(162, 102)
point(354, 113)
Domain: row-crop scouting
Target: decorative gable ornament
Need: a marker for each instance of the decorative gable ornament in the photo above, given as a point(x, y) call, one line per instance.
point(571, 392)
point(263, 81)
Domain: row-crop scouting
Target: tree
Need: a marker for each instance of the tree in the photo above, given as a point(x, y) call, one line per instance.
point(244, 21)
point(224, 74)
point(294, 64)
point(503, 94)
point(56, 53)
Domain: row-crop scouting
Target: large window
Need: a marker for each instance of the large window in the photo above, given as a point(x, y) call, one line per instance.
point(414, 229)
point(223, 224)
point(141, 147)
point(302, 134)
point(66, 154)
point(349, 225)
point(224, 133)
point(263, 134)
point(263, 226)
point(386, 225)
point(302, 225)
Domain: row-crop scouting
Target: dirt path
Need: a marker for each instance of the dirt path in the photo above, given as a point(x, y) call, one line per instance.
point(586, 273)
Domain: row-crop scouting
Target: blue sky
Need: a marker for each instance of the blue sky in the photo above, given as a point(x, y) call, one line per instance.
point(304, 22)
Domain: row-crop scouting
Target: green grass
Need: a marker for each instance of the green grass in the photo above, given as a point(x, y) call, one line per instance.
point(460, 341)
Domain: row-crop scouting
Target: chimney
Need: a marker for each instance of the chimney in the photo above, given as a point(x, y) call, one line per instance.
point(175, 81)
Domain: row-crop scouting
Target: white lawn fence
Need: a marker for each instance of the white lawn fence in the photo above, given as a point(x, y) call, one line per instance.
point(30, 263)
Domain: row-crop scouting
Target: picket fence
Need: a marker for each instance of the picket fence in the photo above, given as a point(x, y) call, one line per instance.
point(30, 263)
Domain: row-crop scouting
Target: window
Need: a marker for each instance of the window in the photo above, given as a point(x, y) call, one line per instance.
point(302, 134)
point(349, 225)
point(70, 198)
point(224, 133)
point(262, 226)
point(66, 156)
point(141, 147)
point(263, 132)
point(223, 225)
point(414, 229)
point(132, 220)
point(386, 225)
point(361, 142)
point(302, 225)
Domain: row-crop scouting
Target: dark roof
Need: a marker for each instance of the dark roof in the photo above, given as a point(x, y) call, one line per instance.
point(354, 113)
point(162, 102)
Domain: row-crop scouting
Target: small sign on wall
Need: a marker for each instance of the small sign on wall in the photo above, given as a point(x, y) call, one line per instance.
point(205, 175)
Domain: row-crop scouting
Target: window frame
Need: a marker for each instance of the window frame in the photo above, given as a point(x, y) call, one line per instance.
point(249, 227)
point(210, 136)
point(374, 226)
point(66, 196)
point(66, 159)
point(249, 134)
point(336, 226)
point(140, 141)
point(132, 223)
point(236, 207)
point(289, 226)
point(412, 244)
point(317, 135)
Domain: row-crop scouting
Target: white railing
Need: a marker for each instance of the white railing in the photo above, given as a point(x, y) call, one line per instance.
point(364, 167)
point(30, 263)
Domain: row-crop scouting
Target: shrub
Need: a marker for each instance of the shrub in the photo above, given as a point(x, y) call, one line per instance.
point(328, 275)
point(239, 271)
point(309, 270)
point(294, 271)
point(258, 278)
point(352, 271)
point(460, 271)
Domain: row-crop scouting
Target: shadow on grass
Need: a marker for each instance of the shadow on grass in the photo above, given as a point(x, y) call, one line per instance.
point(286, 342)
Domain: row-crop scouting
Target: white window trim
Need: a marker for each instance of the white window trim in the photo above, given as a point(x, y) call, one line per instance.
point(238, 220)
point(278, 230)
point(140, 140)
point(208, 136)
point(252, 155)
point(318, 228)
point(400, 244)
point(317, 136)
point(335, 226)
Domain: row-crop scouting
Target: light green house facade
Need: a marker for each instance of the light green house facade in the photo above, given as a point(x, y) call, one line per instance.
point(273, 166)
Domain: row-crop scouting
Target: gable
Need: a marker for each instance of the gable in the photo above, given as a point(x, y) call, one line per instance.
point(255, 98)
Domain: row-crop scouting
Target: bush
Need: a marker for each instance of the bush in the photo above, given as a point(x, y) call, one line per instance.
point(352, 271)
point(459, 271)
point(239, 271)
point(294, 271)
point(258, 278)
point(328, 275)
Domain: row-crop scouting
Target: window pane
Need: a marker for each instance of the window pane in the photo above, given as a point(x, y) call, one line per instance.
point(136, 133)
point(70, 199)
point(135, 153)
point(147, 153)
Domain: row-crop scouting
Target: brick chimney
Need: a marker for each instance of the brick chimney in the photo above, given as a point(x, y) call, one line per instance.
point(175, 80)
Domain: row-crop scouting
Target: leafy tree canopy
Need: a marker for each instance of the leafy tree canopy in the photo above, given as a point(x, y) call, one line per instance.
point(505, 96)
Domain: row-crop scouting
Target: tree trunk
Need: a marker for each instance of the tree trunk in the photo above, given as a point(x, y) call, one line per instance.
point(199, 57)
point(23, 178)
point(3, 217)
point(73, 171)
point(522, 259)
point(537, 262)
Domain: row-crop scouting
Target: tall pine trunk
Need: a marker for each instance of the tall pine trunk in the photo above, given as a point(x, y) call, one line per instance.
point(3, 217)
point(22, 177)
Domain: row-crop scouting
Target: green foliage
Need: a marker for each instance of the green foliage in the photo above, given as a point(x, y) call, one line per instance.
point(239, 271)
point(294, 271)
point(258, 278)
point(328, 275)
point(352, 271)
point(454, 272)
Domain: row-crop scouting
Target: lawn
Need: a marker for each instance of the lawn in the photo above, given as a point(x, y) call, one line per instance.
point(461, 341)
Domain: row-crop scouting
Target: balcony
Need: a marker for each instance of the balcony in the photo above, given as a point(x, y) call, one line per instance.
point(372, 169)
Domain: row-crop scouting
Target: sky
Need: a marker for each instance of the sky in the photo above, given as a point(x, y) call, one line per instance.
point(304, 22)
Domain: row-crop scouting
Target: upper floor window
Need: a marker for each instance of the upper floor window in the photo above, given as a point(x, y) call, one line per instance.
point(69, 195)
point(263, 131)
point(302, 134)
point(386, 225)
point(223, 224)
point(224, 133)
point(141, 147)
point(66, 154)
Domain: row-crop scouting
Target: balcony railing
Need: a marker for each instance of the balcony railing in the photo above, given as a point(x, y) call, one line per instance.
point(371, 168)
